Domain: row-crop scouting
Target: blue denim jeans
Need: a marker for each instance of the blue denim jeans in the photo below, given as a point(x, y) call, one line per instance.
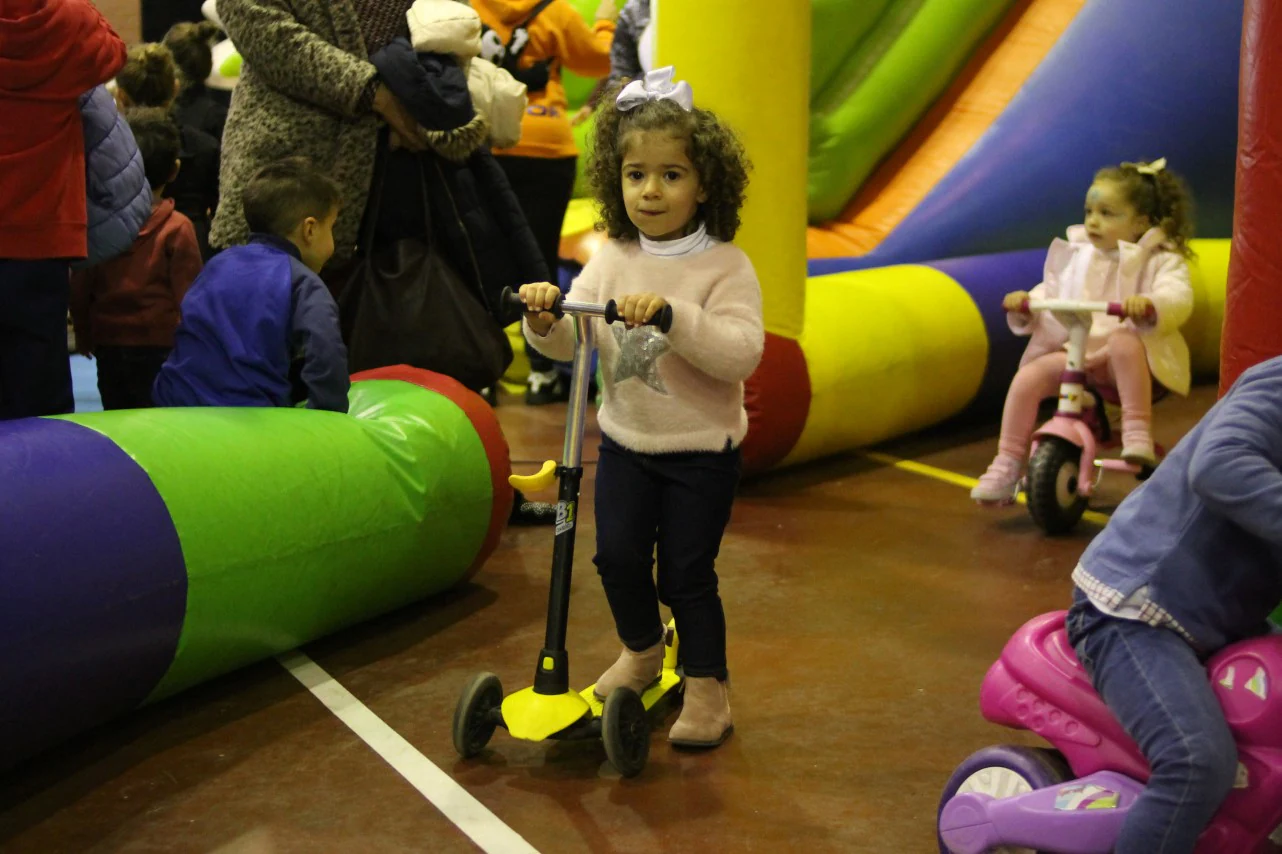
point(1158, 688)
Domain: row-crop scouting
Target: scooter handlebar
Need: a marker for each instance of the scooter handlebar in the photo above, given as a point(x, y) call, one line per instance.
point(1115, 309)
point(512, 300)
point(610, 311)
point(662, 318)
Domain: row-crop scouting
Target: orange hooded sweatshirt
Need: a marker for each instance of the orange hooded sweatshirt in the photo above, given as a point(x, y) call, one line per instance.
point(558, 33)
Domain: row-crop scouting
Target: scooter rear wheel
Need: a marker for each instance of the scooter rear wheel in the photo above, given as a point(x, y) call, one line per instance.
point(1053, 474)
point(625, 731)
point(474, 721)
point(1004, 771)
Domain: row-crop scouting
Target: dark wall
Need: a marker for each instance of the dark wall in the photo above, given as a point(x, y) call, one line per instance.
point(159, 15)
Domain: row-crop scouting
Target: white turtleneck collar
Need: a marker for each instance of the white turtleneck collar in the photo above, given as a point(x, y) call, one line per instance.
point(691, 244)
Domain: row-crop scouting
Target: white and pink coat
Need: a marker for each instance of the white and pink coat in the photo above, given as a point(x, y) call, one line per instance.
point(1075, 269)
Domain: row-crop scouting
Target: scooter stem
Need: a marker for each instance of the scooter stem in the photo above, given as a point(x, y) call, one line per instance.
point(580, 379)
point(552, 673)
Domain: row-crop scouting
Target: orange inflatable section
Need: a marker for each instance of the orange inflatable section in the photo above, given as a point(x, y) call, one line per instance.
point(948, 130)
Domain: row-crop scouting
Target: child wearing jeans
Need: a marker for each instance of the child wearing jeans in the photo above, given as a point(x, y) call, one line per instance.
point(259, 327)
point(1189, 564)
point(1131, 248)
point(125, 310)
point(670, 181)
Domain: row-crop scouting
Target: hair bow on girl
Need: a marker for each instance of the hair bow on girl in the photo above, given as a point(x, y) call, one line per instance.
point(1148, 168)
point(657, 86)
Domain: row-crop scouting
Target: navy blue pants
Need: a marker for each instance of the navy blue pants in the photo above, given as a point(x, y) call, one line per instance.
point(126, 375)
point(35, 369)
point(1154, 683)
point(681, 504)
point(543, 186)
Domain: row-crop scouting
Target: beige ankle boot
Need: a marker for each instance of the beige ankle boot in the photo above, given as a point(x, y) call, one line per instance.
point(705, 716)
point(635, 670)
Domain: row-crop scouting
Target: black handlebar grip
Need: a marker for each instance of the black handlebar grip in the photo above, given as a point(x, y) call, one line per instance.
point(661, 319)
point(512, 300)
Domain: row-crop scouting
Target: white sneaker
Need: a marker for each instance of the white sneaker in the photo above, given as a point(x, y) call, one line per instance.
point(1000, 484)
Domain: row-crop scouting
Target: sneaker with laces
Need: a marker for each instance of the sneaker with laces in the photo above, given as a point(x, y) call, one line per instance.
point(526, 512)
point(1000, 484)
point(547, 387)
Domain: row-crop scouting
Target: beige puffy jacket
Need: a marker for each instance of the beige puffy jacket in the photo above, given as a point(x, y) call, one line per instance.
point(453, 28)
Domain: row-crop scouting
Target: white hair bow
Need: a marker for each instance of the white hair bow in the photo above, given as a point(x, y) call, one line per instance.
point(657, 86)
point(1149, 168)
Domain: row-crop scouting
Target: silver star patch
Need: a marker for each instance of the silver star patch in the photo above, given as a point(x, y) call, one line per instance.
point(639, 352)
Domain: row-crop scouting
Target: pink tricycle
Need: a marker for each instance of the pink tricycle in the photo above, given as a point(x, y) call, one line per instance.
point(1018, 799)
point(1066, 446)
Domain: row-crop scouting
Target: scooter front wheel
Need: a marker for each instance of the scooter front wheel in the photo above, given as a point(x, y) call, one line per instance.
point(474, 716)
point(1053, 474)
point(1004, 771)
point(625, 731)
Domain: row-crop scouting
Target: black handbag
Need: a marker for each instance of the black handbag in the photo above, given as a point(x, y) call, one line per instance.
point(405, 303)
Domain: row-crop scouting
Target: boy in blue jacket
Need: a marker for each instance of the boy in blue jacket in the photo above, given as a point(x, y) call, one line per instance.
point(1190, 563)
point(258, 327)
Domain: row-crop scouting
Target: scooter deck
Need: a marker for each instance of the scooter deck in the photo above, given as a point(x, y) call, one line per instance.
point(650, 697)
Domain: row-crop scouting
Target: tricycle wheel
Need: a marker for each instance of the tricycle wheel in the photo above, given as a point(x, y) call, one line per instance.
point(625, 730)
point(475, 716)
point(1004, 771)
point(1053, 497)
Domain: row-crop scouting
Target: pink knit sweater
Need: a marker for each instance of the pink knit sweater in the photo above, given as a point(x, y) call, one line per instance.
point(683, 391)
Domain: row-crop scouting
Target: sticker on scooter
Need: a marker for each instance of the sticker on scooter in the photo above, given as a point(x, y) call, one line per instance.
point(1243, 779)
point(564, 516)
point(1086, 796)
point(1229, 678)
point(1259, 684)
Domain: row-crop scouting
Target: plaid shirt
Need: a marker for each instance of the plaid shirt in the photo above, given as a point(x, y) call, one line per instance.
point(1112, 602)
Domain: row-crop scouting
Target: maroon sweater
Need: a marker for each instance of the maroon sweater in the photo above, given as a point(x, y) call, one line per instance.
point(133, 299)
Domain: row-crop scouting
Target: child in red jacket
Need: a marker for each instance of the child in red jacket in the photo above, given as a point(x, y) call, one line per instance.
point(52, 52)
point(125, 310)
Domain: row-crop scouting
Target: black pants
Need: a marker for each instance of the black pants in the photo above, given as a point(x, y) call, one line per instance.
point(681, 503)
point(35, 370)
point(126, 375)
point(544, 187)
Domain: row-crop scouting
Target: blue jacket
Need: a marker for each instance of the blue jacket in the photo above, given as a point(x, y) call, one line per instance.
point(255, 324)
point(118, 196)
point(1205, 531)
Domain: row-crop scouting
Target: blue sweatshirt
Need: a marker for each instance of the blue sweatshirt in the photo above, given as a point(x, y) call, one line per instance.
point(254, 313)
point(1205, 531)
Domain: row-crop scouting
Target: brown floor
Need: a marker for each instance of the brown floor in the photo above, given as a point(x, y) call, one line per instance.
point(865, 604)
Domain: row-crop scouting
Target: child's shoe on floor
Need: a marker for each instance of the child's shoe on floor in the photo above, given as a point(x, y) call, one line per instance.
point(705, 714)
point(1000, 484)
point(635, 670)
point(545, 387)
point(1137, 448)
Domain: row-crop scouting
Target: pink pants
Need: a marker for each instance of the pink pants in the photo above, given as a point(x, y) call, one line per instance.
point(1121, 363)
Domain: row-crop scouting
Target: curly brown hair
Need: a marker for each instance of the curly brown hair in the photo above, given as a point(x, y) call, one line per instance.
point(717, 154)
point(1162, 197)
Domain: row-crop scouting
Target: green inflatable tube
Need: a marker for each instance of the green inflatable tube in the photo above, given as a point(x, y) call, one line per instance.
point(296, 523)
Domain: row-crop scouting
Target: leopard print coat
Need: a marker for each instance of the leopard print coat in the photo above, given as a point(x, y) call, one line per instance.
point(300, 93)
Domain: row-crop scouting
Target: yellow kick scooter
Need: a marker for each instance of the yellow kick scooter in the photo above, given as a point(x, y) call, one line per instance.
point(549, 709)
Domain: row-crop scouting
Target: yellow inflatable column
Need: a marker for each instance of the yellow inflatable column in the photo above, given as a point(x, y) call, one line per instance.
point(749, 61)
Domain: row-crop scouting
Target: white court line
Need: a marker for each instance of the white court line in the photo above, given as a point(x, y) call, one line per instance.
point(466, 812)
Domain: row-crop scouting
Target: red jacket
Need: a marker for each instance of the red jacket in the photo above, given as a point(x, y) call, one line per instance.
point(133, 299)
point(51, 52)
